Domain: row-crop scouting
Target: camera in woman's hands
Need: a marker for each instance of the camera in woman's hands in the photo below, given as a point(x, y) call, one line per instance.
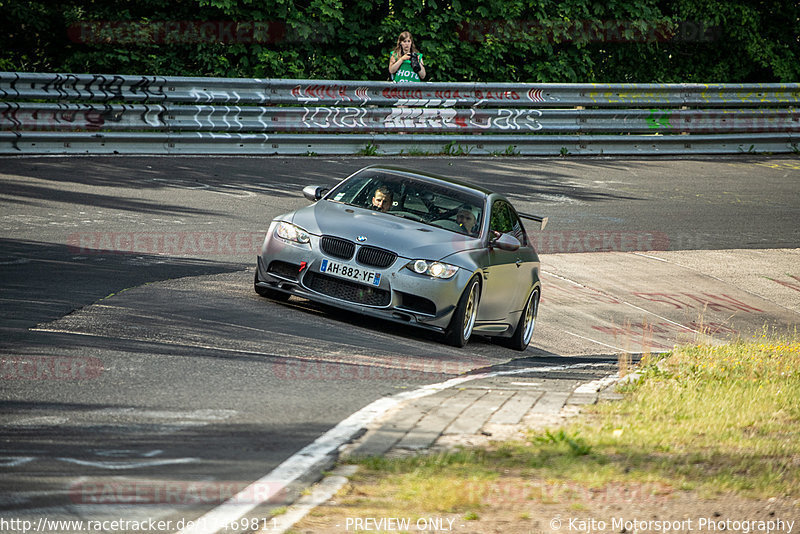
point(415, 64)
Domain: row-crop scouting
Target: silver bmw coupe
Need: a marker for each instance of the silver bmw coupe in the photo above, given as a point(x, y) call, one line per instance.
point(412, 248)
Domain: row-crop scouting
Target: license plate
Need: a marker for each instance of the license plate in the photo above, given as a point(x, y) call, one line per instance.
point(343, 270)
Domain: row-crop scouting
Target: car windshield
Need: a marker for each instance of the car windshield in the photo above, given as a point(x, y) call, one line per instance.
point(404, 196)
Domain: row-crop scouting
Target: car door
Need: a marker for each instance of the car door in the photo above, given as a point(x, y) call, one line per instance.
point(527, 261)
point(504, 285)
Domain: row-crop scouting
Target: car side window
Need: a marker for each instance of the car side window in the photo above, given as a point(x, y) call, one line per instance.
point(500, 220)
point(517, 229)
point(506, 221)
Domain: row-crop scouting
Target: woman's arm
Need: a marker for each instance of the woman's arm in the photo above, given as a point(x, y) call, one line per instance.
point(394, 64)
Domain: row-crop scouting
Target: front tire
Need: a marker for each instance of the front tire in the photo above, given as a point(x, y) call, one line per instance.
point(463, 321)
point(267, 292)
point(524, 332)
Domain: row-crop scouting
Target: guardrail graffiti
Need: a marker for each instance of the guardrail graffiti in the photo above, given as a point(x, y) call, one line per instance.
point(83, 113)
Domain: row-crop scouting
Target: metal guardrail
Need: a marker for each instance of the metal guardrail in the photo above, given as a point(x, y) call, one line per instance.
point(224, 118)
point(68, 113)
point(185, 143)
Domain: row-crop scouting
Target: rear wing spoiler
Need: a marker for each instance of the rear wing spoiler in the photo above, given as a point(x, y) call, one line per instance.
point(541, 220)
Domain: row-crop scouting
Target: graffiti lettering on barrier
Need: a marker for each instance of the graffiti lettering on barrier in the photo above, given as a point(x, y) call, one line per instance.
point(99, 87)
point(501, 119)
point(330, 117)
point(757, 93)
point(507, 119)
point(201, 95)
point(703, 121)
point(62, 85)
point(453, 94)
point(394, 93)
point(658, 119)
point(629, 97)
point(451, 97)
point(338, 93)
point(74, 117)
point(535, 95)
point(496, 95)
point(425, 102)
point(423, 118)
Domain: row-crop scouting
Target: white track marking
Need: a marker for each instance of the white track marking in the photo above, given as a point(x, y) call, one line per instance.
point(303, 461)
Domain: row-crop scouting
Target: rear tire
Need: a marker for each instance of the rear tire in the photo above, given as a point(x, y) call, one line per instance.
point(527, 321)
point(267, 292)
point(463, 321)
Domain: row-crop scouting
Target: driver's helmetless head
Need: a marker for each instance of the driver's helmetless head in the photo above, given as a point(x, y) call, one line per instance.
point(382, 199)
point(466, 219)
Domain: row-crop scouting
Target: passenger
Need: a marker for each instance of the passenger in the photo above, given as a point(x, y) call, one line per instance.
point(382, 199)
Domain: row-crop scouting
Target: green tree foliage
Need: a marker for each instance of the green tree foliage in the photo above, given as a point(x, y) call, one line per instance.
point(463, 40)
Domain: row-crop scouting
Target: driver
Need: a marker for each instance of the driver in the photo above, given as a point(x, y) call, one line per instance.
point(382, 199)
point(465, 218)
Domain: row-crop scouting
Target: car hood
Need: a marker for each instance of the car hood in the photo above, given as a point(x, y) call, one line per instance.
point(409, 239)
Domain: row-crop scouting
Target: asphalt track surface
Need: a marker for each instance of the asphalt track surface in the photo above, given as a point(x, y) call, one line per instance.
point(134, 348)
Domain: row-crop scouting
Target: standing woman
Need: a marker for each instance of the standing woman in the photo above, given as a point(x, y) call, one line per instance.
point(405, 63)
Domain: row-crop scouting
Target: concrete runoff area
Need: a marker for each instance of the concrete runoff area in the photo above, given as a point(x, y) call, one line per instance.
point(615, 303)
point(649, 302)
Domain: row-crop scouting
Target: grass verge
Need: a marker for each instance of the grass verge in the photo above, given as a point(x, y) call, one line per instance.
point(714, 420)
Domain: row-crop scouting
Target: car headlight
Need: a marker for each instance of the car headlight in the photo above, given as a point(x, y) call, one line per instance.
point(289, 232)
point(435, 269)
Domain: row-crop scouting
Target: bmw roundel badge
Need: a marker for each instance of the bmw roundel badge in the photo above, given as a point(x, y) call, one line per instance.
point(361, 238)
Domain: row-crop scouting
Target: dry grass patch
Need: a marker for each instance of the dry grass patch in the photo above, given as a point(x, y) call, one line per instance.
point(699, 423)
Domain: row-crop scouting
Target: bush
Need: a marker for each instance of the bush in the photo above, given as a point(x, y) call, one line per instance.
point(641, 41)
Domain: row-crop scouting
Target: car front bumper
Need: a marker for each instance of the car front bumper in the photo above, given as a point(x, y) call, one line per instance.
point(402, 296)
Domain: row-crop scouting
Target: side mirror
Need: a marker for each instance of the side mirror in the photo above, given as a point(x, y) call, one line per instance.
point(506, 242)
point(314, 192)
